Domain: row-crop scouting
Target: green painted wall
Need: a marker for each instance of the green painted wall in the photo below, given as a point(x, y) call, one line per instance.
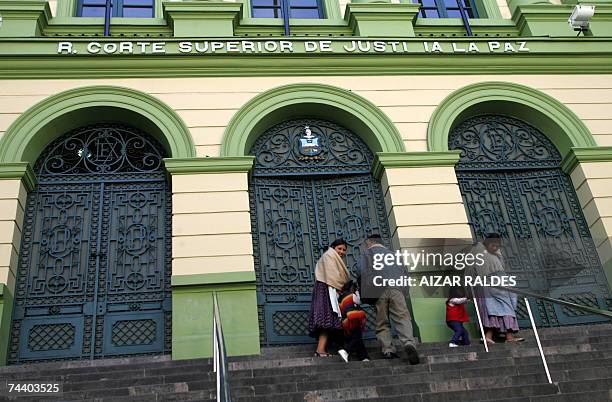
point(429, 314)
point(192, 314)
point(6, 315)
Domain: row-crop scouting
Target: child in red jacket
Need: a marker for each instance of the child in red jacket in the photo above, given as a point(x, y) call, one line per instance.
point(353, 323)
point(456, 315)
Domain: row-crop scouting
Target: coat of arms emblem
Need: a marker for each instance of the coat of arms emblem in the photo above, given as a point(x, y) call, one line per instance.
point(309, 143)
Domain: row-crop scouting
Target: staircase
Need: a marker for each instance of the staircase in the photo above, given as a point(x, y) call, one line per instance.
point(580, 360)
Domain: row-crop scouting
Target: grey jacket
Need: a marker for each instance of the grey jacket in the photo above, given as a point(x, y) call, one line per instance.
point(366, 273)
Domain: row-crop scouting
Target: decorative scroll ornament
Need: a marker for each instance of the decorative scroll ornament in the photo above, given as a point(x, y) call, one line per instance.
point(101, 149)
point(309, 147)
point(499, 142)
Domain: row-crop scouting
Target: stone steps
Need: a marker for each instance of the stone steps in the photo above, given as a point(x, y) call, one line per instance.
point(580, 361)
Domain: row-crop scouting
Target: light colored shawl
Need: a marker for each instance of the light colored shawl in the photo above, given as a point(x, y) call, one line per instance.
point(331, 269)
point(498, 302)
point(493, 262)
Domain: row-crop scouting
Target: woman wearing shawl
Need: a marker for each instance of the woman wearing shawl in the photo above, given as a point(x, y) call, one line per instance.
point(497, 306)
point(331, 275)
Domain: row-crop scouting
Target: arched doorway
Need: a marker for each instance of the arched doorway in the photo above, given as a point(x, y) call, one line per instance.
point(94, 268)
point(512, 184)
point(311, 184)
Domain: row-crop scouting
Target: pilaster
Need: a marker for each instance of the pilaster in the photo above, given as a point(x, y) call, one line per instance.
point(23, 18)
point(212, 252)
point(381, 20)
point(201, 18)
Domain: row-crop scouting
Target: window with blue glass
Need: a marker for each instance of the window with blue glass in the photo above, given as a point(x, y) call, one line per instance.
point(446, 8)
point(120, 8)
point(297, 8)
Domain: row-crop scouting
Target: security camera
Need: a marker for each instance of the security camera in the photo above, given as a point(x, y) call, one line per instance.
point(581, 17)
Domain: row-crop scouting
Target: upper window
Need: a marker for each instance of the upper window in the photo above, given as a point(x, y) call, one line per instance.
point(297, 8)
point(120, 8)
point(446, 8)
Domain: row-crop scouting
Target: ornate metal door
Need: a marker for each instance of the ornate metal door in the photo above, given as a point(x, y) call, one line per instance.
point(512, 184)
point(311, 184)
point(94, 268)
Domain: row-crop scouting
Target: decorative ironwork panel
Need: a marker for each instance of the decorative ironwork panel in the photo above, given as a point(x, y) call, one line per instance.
point(296, 217)
point(350, 208)
point(499, 142)
point(535, 208)
point(308, 147)
point(56, 274)
point(284, 225)
point(95, 250)
point(99, 149)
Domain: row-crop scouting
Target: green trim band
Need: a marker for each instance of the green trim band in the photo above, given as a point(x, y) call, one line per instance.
point(227, 164)
point(170, 66)
point(584, 155)
point(386, 160)
point(315, 100)
point(214, 279)
point(542, 111)
point(27, 136)
point(18, 171)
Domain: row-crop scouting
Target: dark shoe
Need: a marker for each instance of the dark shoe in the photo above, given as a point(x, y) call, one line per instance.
point(390, 355)
point(413, 356)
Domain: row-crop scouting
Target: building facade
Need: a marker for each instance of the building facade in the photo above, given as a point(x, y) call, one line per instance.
point(156, 152)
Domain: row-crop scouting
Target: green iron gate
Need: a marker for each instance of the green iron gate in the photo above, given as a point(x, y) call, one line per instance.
point(311, 184)
point(94, 268)
point(512, 184)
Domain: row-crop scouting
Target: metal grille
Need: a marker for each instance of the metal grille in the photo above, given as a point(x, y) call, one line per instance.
point(134, 332)
point(291, 323)
point(297, 213)
point(51, 337)
point(96, 247)
point(512, 184)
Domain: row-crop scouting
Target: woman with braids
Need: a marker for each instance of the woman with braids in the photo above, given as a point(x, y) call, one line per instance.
point(325, 316)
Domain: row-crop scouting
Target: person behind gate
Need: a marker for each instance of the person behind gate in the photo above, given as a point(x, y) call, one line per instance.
point(390, 301)
point(331, 274)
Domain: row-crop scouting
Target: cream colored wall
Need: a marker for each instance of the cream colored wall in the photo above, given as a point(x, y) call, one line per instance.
point(12, 203)
point(424, 202)
point(343, 4)
point(211, 224)
point(53, 6)
point(593, 182)
point(504, 9)
point(207, 104)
